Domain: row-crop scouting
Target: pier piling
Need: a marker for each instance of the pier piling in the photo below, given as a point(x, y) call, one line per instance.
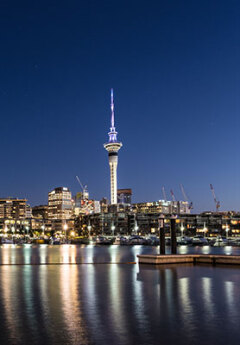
point(173, 236)
point(162, 236)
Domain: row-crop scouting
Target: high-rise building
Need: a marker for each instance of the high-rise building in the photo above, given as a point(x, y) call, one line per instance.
point(60, 204)
point(113, 146)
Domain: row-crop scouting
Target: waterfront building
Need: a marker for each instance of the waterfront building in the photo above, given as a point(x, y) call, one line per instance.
point(13, 208)
point(60, 204)
point(162, 206)
point(112, 147)
point(124, 196)
point(104, 205)
point(60, 208)
point(86, 207)
point(40, 211)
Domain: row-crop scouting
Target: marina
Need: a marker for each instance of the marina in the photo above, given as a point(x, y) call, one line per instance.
point(69, 294)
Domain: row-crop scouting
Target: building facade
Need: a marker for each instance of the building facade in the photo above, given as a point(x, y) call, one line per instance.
point(124, 196)
point(13, 208)
point(60, 204)
point(162, 206)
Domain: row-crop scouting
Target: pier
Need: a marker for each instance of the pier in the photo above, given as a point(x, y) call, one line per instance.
point(189, 258)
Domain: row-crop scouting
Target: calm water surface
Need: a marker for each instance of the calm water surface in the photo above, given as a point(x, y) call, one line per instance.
point(105, 301)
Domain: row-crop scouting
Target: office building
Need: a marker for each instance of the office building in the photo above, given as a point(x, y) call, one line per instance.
point(60, 204)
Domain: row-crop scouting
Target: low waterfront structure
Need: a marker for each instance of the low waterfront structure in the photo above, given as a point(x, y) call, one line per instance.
point(162, 206)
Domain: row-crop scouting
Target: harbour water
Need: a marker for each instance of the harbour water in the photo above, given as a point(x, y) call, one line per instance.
point(46, 298)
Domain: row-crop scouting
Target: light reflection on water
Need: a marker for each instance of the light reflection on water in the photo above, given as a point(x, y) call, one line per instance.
point(114, 303)
point(46, 254)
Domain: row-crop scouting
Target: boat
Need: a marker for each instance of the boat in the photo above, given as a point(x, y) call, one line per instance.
point(199, 241)
point(220, 242)
point(104, 240)
point(7, 240)
point(184, 240)
point(136, 240)
point(55, 241)
point(120, 240)
point(152, 240)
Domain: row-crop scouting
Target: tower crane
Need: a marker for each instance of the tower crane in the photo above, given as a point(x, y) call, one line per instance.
point(186, 197)
point(164, 194)
point(217, 203)
point(172, 194)
point(84, 188)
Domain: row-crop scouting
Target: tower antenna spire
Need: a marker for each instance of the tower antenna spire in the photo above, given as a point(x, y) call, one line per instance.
point(112, 109)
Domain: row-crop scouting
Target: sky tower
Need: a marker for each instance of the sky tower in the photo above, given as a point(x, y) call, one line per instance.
point(112, 147)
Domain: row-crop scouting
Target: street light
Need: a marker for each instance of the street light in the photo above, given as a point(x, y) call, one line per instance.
point(113, 228)
point(227, 229)
point(27, 228)
point(182, 229)
point(204, 229)
point(43, 228)
point(89, 229)
point(65, 227)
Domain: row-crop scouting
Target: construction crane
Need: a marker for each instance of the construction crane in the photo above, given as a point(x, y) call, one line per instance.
point(186, 197)
point(172, 194)
point(164, 194)
point(217, 203)
point(84, 188)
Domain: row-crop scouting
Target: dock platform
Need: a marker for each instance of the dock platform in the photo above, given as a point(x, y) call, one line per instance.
point(189, 258)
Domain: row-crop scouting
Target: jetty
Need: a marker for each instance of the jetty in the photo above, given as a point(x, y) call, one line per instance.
point(189, 258)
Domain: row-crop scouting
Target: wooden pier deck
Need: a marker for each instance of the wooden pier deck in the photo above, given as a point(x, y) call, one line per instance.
point(189, 258)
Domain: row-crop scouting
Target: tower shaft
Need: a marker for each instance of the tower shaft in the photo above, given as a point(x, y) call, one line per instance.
point(113, 178)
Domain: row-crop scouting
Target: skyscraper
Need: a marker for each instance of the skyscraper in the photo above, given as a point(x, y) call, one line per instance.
point(113, 146)
point(60, 204)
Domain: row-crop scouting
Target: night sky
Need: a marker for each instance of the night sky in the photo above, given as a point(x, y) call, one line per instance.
point(174, 68)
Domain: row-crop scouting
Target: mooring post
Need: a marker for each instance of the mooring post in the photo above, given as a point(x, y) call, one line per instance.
point(173, 236)
point(161, 236)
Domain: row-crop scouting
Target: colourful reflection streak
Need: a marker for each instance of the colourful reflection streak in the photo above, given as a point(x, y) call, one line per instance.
point(73, 254)
point(139, 306)
point(43, 253)
point(29, 297)
point(44, 295)
point(90, 250)
point(231, 302)
point(65, 253)
point(27, 252)
point(71, 307)
point(10, 300)
point(68, 254)
point(208, 298)
point(116, 302)
point(5, 257)
point(185, 300)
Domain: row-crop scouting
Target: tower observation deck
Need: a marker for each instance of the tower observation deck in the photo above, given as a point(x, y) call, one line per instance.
point(113, 146)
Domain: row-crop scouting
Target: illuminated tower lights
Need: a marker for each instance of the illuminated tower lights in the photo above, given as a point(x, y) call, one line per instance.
point(113, 146)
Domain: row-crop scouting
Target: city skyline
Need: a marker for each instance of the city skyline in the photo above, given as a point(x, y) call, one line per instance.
point(176, 98)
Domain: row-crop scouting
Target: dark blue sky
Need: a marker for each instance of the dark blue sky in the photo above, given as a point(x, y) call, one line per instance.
point(174, 67)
